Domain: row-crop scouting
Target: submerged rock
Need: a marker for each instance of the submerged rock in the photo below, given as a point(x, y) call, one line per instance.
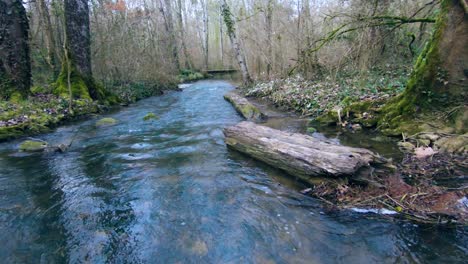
point(150, 116)
point(106, 122)
point(33, 146)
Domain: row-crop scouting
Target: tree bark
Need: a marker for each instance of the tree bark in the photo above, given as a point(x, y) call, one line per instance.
point(299, 155)
point(440, 72)
point(206, 32)
point(49, 36)
point(188, 61)
point(269, 32)
point(244, 107)
point(231, 31)
point(78, 36)
point(172, 35)
point(15, 64)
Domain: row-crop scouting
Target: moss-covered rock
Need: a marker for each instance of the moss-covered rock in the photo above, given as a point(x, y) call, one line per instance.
point(33, 146)
point(454, 144)
point(406, 147)
point(106, 122)
point(150, 116)
point(329, 118)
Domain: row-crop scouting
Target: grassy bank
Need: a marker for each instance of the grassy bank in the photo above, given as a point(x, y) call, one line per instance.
point(43, 111)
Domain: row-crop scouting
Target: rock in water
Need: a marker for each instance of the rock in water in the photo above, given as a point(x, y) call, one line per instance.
point(299, 155)
point(106, 122)
point(244, 107)
point(150, 116)
point(33, 146)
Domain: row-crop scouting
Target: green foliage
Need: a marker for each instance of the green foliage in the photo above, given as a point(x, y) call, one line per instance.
point(227, 17)
point(314, 98)
point(187, 75)
point(133, 91)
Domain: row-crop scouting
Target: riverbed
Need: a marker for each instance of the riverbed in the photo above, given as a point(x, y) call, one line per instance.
point(169, 191)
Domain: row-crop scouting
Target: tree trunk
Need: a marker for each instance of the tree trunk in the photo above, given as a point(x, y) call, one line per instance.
point(78, 36)
point(269, 32)
point(15, 64)
point(172, 35)
point(244, 107)
point(440, 72)
point(188, 62)
point(76, 77)
point(221, 38)
point(299, 155)
point(49, 36)
point(231, 30)
point(206, 32)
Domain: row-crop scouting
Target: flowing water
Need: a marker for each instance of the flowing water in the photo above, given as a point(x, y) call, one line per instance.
point(169, 191)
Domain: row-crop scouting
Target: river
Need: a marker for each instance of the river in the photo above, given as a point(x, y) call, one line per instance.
point(169, 191)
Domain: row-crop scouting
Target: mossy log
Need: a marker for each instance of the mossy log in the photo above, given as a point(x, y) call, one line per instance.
point(297, 154)
point(244, 107)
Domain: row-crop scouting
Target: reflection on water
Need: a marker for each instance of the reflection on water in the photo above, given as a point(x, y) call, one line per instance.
point(168, 191)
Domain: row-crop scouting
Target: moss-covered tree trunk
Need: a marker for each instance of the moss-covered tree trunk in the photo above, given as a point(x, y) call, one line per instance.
point(78, 47)
point(231, 31)
point(15, 65)
point(439, 78)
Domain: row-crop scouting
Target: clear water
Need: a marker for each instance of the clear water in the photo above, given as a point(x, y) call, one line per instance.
point(169, 191)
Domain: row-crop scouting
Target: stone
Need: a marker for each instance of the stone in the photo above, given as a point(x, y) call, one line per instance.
point(33, 146)
point(406, 146)
point(106, 122)
point(150, 116)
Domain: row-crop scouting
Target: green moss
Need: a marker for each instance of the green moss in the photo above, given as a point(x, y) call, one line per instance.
point(79, 89)
point(329, 118)
point(421, 89)
point(360, 107)
point(16, 97)
point(150, 116)
point(106, 122)
point(311, 130)
point(32, 146)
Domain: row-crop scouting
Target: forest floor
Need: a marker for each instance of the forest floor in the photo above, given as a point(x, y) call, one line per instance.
point(43, 111)
point(428, 185)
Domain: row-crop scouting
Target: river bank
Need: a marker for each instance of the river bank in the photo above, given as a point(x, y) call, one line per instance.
point(425, 185)
point(44, 111)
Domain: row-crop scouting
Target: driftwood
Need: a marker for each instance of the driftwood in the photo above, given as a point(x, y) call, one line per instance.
point(297, 154)
point(244, 107)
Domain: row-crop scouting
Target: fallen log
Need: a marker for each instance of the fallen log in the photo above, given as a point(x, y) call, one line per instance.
point(297, 154)
point(244, 107)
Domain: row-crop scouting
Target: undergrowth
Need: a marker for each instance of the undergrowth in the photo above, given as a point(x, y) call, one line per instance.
point(315, 97)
